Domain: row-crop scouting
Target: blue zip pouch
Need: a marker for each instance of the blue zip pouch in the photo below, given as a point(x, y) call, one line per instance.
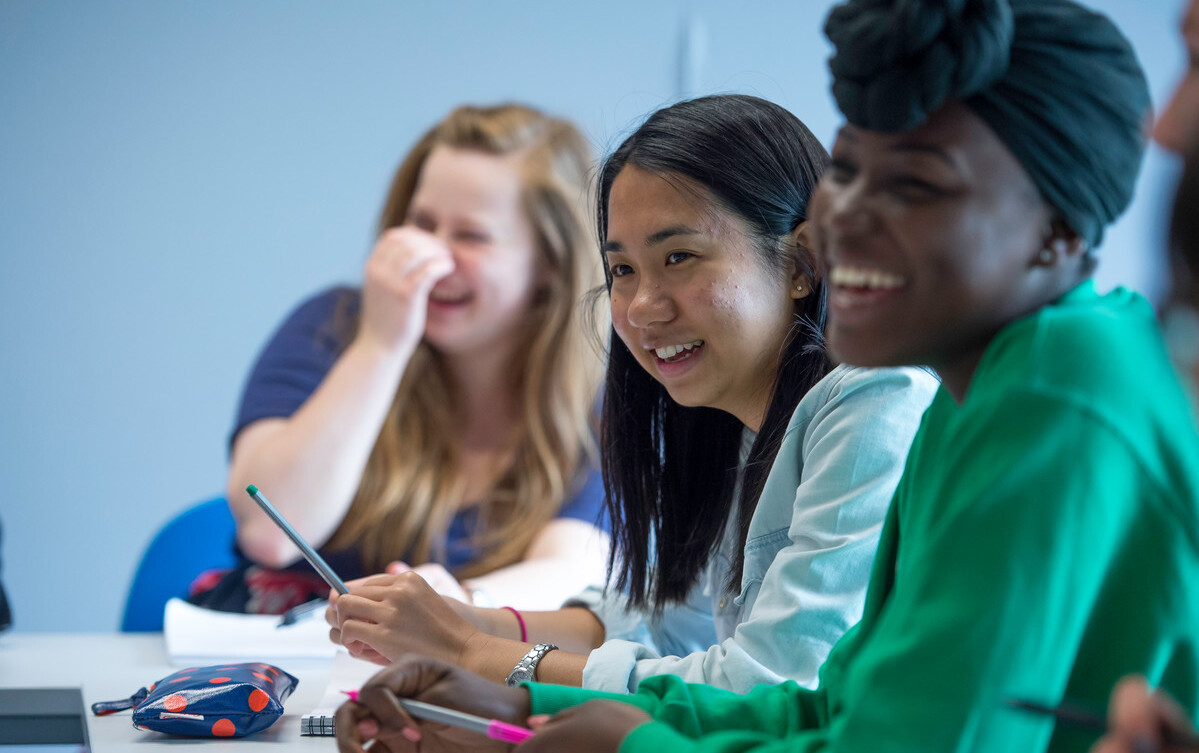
point(224, 700)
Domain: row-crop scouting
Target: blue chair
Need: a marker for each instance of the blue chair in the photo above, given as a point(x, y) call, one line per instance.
point(198, 539)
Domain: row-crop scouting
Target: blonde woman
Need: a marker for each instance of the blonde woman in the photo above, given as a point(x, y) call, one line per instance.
point(440, 417)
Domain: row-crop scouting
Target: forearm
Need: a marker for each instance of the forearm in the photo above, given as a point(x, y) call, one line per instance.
point(494, 658)
point(572, 629)
point(399, 615)
point(310, 464)
point(696, 710)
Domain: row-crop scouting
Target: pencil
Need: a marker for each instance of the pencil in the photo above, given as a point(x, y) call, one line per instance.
point(314, 559)
point(1077, 716)
point(297, 613)
point(492, 728)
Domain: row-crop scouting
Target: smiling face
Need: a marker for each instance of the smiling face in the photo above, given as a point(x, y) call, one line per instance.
point(472, 202)
point(692, 297)
point(1179, 121)
point(930, 242)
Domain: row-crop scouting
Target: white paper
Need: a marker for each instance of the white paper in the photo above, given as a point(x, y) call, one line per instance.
point(347, 673)
point(195, 635)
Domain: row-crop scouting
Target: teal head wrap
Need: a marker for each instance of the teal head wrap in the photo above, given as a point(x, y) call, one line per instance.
point(1059, 85)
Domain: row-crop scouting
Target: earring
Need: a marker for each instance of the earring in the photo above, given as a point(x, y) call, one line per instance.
point(799, 288)
point(1046, 256)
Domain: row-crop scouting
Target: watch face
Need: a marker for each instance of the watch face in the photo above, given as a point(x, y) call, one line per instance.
point(519, 675)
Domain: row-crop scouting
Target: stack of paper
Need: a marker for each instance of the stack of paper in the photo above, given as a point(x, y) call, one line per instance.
point(195, 635)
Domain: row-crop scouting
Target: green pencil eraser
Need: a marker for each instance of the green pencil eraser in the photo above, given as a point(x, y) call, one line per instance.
point(252, 489)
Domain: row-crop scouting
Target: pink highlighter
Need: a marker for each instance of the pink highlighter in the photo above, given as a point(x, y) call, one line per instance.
point(493, 728)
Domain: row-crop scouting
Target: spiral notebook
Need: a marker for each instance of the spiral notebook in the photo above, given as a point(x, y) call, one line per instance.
point(347, 673)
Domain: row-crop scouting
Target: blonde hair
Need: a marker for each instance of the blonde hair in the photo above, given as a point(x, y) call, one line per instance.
point(412, 486)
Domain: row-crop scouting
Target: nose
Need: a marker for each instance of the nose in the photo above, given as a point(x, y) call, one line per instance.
point(843, 209)
point(651, 304)
point(446, 238)
point(444, 235)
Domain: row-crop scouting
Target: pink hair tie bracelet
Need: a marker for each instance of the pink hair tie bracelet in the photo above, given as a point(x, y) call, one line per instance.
point(524, 631)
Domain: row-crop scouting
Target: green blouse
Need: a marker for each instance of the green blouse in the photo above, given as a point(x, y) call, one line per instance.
point(1043, 542)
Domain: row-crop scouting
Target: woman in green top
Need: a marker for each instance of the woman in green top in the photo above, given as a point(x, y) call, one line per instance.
point(1044, 539)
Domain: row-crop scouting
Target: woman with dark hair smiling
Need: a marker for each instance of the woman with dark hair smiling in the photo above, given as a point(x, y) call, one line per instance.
point(1044, 538)
point(747, 475)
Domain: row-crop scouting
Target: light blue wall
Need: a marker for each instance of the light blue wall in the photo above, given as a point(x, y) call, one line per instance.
point(175, 175)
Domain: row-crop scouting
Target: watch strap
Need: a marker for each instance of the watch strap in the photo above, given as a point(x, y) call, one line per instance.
point(526, 668)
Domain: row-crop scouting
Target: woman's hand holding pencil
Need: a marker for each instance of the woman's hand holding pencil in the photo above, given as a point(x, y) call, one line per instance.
point(377, 714)
point(384, 617)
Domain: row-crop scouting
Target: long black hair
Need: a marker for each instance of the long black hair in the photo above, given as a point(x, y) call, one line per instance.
point(670, 470)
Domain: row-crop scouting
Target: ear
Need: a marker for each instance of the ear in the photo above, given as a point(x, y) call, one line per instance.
point(799, 242)
point(1059, 244)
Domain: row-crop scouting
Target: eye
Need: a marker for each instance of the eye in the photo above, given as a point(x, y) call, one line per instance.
point(676, 257)
point(620, 270)
point(841, 171)
point(422, 221)
point(472, 236)
point(909, 188)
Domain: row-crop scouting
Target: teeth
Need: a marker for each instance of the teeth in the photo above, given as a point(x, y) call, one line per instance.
point(858, 277)
point(670, 351)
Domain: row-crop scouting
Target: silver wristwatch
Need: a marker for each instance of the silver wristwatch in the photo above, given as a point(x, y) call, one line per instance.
point(527, 666)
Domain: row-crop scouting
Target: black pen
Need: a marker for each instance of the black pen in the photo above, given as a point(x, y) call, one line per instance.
point(301, 611)
point(309, 553)
point(1075, 715)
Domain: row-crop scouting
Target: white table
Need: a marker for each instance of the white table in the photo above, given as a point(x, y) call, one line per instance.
point(112, 666)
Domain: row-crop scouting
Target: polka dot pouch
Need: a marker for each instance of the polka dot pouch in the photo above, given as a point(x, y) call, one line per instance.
point(224, 700)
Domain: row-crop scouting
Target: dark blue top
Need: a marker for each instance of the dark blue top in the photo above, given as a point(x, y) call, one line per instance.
point(292, 366)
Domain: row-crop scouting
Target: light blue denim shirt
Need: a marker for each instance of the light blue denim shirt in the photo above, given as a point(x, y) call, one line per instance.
point(808, 554)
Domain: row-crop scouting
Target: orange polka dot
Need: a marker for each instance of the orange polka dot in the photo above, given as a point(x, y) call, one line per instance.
point(261, 676)
point(181, 679)
point(272, 670)
point(258, 699)
point(155, 685)
point(223, 728)
point(174, 703)
point(218, 680)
